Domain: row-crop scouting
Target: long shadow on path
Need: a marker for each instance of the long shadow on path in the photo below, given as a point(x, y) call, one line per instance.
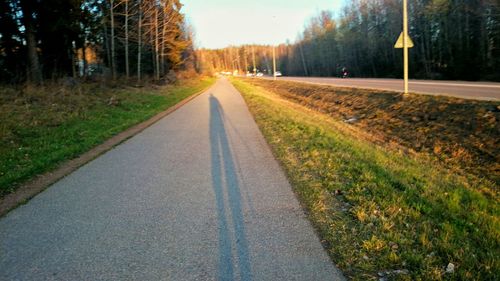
point(225, 179)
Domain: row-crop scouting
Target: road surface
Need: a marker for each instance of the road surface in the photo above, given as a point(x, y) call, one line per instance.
point(196, 196)
point(460, 89)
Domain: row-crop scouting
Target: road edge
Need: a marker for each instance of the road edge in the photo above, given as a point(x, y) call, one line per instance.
point(437, 94)
point(33, 187)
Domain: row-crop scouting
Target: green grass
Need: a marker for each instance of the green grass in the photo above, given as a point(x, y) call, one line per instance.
point(40, 128)
point(379, 210)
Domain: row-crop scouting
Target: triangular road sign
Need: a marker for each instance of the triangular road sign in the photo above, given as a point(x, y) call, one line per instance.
point(399, 43)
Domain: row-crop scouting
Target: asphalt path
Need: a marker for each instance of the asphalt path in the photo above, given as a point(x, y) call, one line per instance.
point(461, 89)
point(196, 196)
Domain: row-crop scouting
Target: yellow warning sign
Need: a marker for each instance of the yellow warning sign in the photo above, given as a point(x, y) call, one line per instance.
point(399, 43)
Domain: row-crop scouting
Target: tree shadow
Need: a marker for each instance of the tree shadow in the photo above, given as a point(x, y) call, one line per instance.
point(225, 179)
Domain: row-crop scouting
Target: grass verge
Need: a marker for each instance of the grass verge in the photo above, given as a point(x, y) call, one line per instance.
point(463, 134)
point(41, 128)
point(383, 214)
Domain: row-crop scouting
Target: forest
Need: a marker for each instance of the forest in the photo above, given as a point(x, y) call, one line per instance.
point(44, 40)
point(454, 39)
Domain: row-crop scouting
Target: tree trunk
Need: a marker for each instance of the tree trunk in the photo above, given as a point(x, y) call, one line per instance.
point(73, 61)
point(157, 56)
point(246, 60)
point(113, 63)
point(139, 41)
point(127, 71)
point(106, 42)
point(303, 59)
point(165, 22)
point(84, 59)
point(34, 73)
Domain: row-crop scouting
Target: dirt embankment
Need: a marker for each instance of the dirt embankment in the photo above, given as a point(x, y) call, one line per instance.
point(462, 133)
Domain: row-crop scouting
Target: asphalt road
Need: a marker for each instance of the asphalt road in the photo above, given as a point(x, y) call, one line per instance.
point(196, 196)
point(461, 89)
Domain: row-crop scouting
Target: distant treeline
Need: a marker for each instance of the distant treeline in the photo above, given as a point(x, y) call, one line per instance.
point(454, 39)
point(49, 39)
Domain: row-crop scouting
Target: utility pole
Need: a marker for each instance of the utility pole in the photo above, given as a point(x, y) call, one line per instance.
point(274, 62)
point(405, 44)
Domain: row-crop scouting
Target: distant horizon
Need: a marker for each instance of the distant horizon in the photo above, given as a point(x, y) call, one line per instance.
point(224, 23)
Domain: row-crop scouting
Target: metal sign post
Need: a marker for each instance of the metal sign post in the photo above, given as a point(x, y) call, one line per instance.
point(404, 41)
point(405, 44)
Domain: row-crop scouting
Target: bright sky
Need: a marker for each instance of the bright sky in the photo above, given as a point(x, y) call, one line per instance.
point(220, 23)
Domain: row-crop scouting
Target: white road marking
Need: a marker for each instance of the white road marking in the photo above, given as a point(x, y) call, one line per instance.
point(457, 84)
point(346, 81)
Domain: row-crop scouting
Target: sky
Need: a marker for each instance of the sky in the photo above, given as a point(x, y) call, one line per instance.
point(221, 23)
